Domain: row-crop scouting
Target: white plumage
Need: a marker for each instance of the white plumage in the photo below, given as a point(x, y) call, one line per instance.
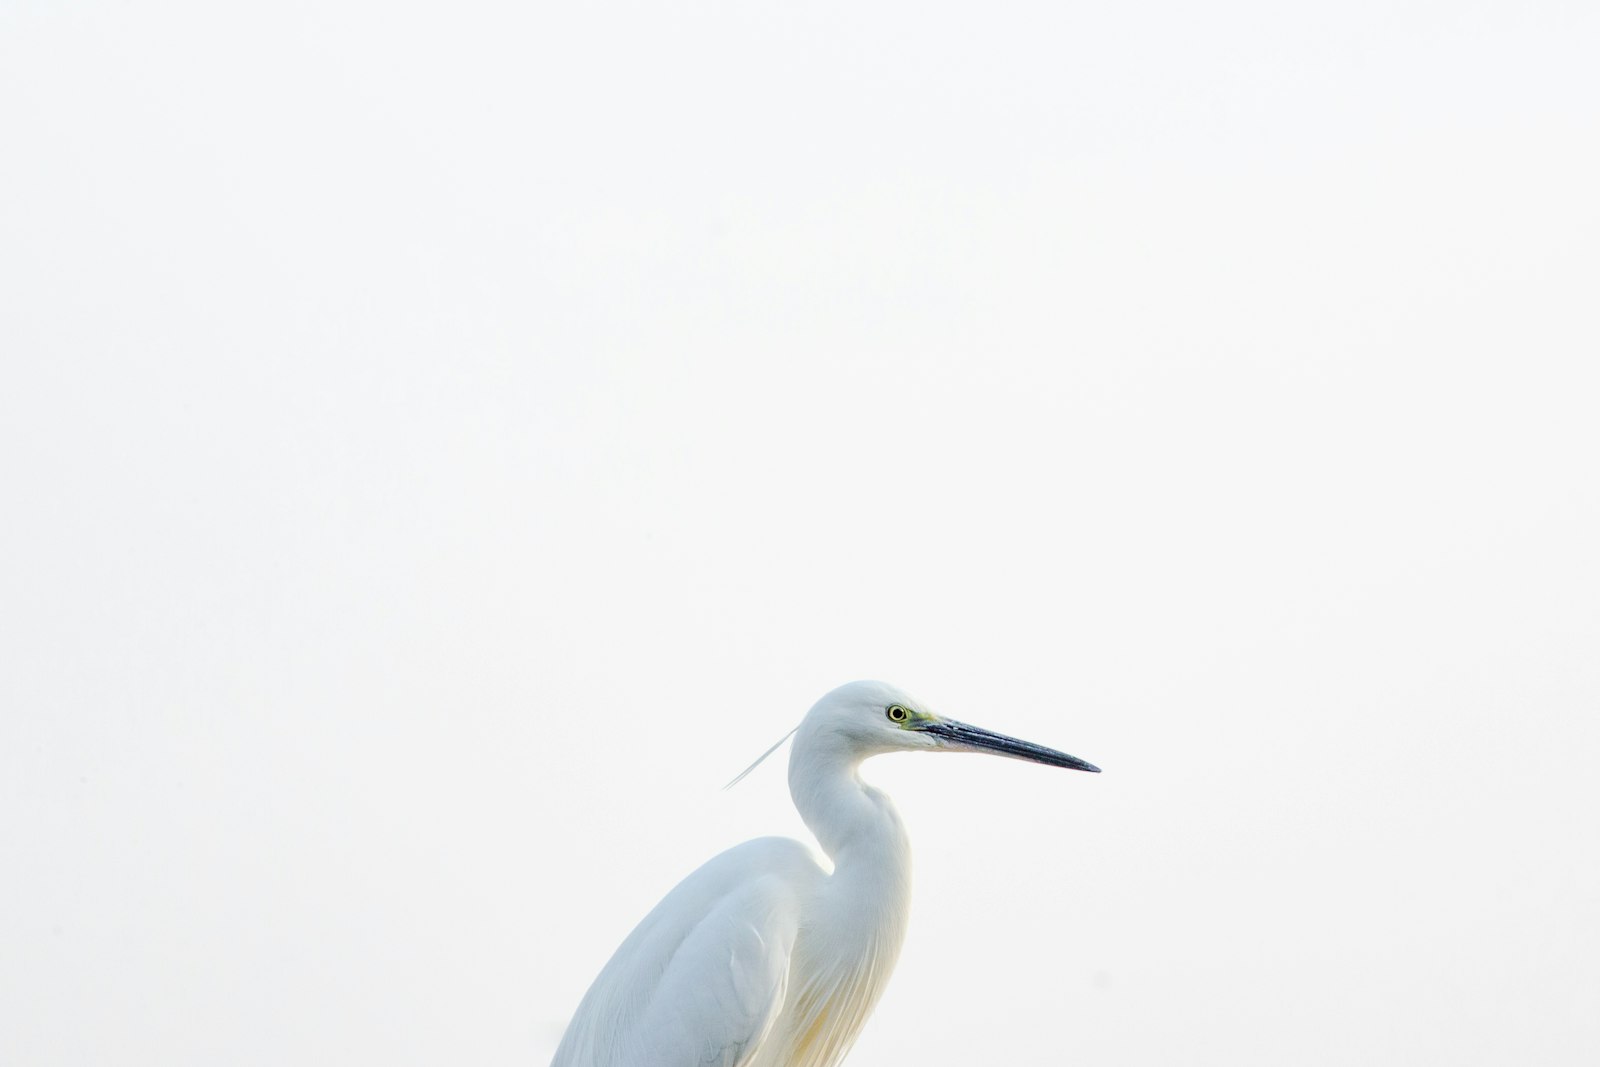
point(762, 958)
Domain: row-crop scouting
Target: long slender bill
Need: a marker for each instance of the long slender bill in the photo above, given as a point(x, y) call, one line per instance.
point(977, 739)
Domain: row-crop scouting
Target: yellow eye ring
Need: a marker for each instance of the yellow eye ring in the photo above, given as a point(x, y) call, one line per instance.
point(898, 714)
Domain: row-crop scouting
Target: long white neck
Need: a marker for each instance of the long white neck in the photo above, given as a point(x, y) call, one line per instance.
point(853, 822)
point(852, 930)
point(868, 896)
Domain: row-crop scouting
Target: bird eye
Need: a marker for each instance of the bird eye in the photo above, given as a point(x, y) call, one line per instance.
point(898, 714)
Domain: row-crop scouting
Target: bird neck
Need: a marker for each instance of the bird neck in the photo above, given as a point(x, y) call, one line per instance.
point(851, 940)
point(855, 824)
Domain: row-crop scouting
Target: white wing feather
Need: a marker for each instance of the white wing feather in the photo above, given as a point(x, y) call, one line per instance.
point(701, 980)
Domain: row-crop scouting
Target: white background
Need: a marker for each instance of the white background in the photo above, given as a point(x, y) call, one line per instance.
point(443, 444)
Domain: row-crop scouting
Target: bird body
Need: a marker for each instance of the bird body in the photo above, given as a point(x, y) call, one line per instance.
point(762, 957)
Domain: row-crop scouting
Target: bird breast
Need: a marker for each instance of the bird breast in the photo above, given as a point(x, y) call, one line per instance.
point(843, 957)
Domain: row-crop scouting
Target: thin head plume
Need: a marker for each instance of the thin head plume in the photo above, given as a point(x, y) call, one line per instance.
point(759, 758)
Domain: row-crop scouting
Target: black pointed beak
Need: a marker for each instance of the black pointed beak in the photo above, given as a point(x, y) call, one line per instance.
point(959, 735)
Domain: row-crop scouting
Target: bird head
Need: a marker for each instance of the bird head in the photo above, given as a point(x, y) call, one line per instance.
point(869, 718)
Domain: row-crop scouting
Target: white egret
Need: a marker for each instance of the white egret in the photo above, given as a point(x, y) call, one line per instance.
point(762, 958)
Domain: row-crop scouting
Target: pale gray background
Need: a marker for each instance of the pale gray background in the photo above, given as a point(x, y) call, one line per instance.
point(443, 444)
